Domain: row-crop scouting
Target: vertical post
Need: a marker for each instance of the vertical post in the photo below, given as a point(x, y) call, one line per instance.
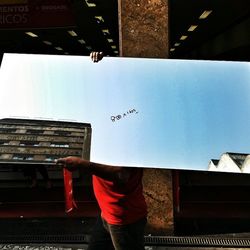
point(143, 32)
point(143, 28)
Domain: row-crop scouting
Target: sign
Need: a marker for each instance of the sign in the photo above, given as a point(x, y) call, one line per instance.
point(35, 14)
point(10, 2)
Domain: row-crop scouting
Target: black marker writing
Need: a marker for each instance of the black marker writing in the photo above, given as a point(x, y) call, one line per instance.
point(118, 117)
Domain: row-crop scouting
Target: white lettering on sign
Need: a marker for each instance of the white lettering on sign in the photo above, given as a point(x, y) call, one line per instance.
point(54, 7)
point(17, 14)
point(14, 9)
point(13, 19)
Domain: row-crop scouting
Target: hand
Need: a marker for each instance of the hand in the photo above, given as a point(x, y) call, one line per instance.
point(72, 162)
point(96, 56)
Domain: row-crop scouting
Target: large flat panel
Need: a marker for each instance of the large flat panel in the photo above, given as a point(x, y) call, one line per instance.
point(174, 114)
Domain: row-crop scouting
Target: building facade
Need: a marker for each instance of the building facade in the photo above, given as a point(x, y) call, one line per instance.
point(231, 162)
point(40, 142)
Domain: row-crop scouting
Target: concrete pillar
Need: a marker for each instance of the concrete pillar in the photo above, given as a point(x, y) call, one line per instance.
point(143, 32)
point(143, 28)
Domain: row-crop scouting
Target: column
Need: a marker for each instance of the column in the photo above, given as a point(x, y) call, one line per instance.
point(143, 32)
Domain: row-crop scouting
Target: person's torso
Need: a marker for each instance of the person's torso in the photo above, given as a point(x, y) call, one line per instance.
point(121, 204)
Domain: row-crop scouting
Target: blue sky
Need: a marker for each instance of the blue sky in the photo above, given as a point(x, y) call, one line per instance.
point(187, 112)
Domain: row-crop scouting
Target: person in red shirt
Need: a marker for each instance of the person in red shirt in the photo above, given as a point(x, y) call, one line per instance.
point(119, 193)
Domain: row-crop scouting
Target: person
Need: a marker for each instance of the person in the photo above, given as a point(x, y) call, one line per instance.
point(119, 193)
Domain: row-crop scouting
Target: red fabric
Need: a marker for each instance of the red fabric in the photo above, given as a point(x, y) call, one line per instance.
point(121, 204)
point(68, 190)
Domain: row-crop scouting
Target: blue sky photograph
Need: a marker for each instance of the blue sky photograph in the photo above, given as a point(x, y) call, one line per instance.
point(163, 113)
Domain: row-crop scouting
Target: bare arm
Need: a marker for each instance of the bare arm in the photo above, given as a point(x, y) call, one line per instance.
point(107, 172)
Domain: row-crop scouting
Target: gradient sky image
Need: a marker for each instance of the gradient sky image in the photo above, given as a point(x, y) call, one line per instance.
point(164, 113)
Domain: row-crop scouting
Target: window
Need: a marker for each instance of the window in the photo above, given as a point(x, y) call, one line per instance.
point(28, 158)
point(59, 145)
point(34, 131)
point(29, 143)
point(50, 158)
point(23, 157)
point(17, 157)
point(62, 133)
point(4, 143)
point(7, 130)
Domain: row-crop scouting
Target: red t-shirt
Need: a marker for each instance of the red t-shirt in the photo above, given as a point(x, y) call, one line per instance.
point(121, 204)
